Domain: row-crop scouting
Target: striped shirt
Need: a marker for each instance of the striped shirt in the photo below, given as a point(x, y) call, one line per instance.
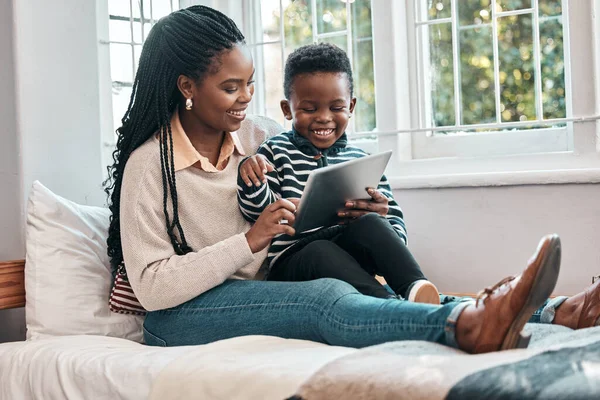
point(294, 158)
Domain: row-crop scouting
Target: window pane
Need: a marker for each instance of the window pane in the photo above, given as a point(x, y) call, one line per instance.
point(363, 66)
point(160, 8)
point(517, 72)
point(510, 5)
point(474, 12)
point(147, 28)
point(270, 17)
point(297, 24)
point(361, 19)
point(364, 85)
point(119, 7)
point(339, 41)
point(137, 52)
point(477, 75)
point(137, 32)
point(273, 82)
point(550, 8)
point(119, 31)
point(438, 74)
point(331, 16)
point(433, 9)
point(120, 102)
point(121, 68)
point(553, 69)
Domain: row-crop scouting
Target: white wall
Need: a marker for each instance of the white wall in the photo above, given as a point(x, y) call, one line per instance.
point(49, 115)
point(469, 238)
point(12, 322)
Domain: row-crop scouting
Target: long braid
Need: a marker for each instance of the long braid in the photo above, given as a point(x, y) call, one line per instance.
point(186, 42)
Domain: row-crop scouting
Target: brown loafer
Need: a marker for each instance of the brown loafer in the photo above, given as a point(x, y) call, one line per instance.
point(590, 313)
point(509, 304)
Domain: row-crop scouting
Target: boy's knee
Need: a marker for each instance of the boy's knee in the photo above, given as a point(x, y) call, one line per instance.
point(370, 221)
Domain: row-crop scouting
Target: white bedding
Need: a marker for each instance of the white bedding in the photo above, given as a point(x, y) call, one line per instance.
point(98, 367)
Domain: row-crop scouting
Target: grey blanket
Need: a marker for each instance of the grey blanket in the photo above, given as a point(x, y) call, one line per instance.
point(559, 364)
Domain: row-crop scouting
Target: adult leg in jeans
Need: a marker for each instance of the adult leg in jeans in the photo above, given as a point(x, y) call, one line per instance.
point(325, 259)
point(324, 310)
point(373, 242)
point(331, 311)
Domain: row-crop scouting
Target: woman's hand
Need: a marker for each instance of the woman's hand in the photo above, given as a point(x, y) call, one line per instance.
point(275, 219)
point(357, 208)
point(254, 169)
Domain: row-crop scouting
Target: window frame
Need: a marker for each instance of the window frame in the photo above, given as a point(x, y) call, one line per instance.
point(395, 65)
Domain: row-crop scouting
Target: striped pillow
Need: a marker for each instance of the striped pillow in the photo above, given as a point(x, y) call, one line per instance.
point(122, 299)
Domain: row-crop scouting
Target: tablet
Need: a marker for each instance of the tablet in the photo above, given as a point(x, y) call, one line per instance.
point(328, 189)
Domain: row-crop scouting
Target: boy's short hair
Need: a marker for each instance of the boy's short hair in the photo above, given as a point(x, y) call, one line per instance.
point(315, 58)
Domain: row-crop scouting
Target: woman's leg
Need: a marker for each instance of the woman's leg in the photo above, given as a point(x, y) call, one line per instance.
point(324, 310)
point(375, 244)
point(325, 259)
point(331, 311)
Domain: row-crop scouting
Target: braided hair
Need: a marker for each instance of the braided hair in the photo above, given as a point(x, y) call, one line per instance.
point(186, 42)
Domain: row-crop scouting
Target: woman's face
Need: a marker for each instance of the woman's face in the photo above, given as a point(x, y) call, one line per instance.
point(221, 98)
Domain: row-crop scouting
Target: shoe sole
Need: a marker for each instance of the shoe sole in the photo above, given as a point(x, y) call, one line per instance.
point(426, 293)
point(543, 286)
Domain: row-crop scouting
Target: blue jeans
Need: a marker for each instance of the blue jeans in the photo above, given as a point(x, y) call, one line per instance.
point(323, 310)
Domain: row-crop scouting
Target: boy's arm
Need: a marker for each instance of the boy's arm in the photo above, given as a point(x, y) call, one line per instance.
point(394, 215)
point(254, 199)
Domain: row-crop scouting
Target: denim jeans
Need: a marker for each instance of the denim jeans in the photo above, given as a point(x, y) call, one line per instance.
point(323, 310)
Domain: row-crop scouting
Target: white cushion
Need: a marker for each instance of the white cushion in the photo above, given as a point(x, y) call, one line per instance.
point(67, 272)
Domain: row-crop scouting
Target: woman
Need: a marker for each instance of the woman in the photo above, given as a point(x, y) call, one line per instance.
point(195, 263)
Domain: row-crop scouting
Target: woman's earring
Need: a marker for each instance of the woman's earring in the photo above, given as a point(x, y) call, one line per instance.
point(188, 104)
point(350, 116)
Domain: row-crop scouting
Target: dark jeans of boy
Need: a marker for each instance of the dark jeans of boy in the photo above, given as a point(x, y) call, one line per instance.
point(368, 246)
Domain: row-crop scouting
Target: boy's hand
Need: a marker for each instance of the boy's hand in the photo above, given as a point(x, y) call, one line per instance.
point(254, 169)
point(357, 208)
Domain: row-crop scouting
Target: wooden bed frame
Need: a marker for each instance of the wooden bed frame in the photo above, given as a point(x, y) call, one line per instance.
point(12, 284)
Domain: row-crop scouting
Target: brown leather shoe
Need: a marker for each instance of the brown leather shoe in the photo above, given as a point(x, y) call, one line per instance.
point(590, 313)
point(509, 304)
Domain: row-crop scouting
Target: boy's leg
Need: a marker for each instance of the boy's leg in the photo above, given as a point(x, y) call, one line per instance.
point(325, 259)
point(373, 242)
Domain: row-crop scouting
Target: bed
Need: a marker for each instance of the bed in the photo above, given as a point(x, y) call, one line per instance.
point(77, 349)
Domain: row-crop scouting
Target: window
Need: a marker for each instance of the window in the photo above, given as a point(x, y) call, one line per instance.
point(128, 26)
point(487, 92)
point(274, 28)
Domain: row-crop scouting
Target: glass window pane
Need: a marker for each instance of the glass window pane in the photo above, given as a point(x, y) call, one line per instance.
point(137, 52)
point(137, 32)
point(273, 82)
point(553, 69)
point(364, 85)
point(119, 7)
point(474, 12)
point(438, 75)
point(433, 9)
point(517, 70)
point(147, 28)
point(477, 75)
point(270, 17)
point(120, 101)
point(339, 41)
point(331, 16)
point(297, 24)
point(121, 68)
point(160, 8)
point(119, 31)
point(361, 19)
point(549, 8)
point(510, 5)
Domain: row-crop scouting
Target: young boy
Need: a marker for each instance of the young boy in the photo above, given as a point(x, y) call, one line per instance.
point(371, 236)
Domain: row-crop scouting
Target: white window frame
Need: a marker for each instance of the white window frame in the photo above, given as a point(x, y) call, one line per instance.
point(470, 143)
point(398, 115)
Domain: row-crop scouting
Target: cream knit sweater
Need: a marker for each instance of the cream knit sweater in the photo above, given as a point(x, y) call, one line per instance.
point(210, 217)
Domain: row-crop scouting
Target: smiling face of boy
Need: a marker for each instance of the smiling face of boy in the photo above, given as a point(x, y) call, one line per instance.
point(320, 105)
